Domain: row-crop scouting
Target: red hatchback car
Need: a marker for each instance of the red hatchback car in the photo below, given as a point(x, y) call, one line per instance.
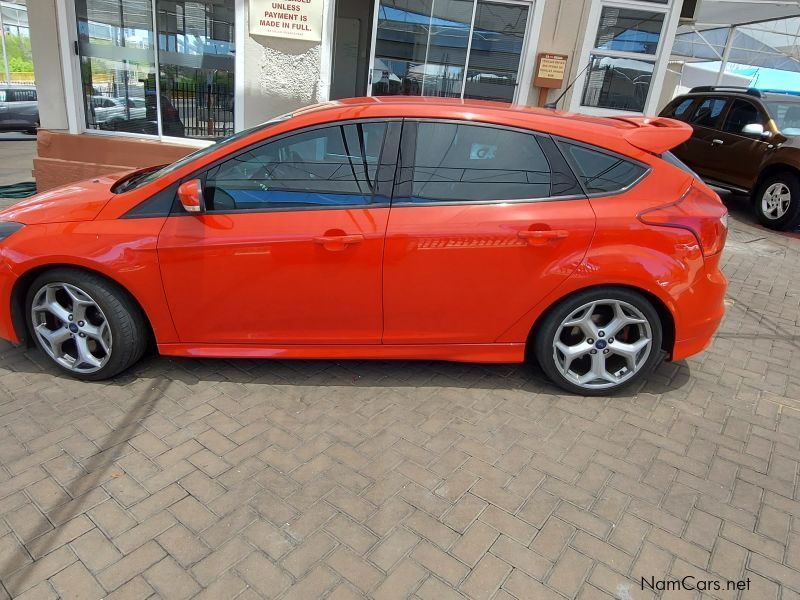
point(400, 228)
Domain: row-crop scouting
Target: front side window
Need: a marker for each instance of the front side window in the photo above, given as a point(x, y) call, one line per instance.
point(463, 163)
point(601, 172)
point(329, 167)
point(742, 113)
point(709, 112)
point(117, 47)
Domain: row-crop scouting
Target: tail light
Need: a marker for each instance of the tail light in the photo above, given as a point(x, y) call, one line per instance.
point(699, 211)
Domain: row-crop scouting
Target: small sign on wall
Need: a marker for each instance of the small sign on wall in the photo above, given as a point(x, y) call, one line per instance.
point(294, 19)
point(550, 70)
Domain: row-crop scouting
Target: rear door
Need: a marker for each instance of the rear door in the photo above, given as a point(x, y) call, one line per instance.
point(485, 222)
point(699, 150)
point(739, 155)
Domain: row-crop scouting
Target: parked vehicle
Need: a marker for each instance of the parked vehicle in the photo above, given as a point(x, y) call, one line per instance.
point(382, 228)
point(109, 110)
point(747, 141)
point(19, 108)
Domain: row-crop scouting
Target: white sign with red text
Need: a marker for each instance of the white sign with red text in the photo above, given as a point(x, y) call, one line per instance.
point(295, 19)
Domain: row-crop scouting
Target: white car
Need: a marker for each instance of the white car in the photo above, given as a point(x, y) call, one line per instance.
point(107, 109)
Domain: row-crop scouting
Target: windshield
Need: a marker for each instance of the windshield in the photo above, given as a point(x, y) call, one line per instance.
point(149, 176)
point(786, 116)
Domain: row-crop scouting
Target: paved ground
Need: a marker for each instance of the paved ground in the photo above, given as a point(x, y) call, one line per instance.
point(427, 480)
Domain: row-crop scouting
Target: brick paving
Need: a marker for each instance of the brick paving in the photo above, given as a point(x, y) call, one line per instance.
point(290, 479)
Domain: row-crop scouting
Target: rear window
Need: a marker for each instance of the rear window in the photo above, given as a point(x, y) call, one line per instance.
point(601, 172)
point(681, 110)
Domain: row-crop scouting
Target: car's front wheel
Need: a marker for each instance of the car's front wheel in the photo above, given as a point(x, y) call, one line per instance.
point(598, 341)
point(88, 326)
point(777, 201)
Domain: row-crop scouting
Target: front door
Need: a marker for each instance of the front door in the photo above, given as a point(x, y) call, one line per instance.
point(485, 222)
point(450, 48)
point(289, 249)
point(739, 155)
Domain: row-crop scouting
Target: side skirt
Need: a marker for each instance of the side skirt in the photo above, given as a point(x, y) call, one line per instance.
point(485, 353)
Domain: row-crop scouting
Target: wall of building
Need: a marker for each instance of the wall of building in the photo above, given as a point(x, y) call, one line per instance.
point(47, 61)
point(280, 75)
point(562, 32)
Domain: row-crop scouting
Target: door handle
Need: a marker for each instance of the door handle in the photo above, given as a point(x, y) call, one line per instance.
point(538, 237)
point(717, 142)
point(338, 242)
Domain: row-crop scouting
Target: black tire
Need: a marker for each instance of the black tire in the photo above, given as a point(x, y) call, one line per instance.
point(128, 326)
point(543, 342)
point(791, 218)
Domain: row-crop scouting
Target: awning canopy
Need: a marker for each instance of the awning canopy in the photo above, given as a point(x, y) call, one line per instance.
point(760, 33)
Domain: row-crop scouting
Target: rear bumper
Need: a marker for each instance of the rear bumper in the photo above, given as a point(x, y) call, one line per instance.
point(700, 314)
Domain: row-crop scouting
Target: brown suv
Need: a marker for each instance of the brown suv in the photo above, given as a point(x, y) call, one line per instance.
point(748, 141)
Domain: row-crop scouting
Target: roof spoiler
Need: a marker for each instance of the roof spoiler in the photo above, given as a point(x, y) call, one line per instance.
point(655, 134)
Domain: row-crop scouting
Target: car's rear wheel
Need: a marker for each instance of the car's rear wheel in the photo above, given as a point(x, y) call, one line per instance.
point(88, 326)
point(599, 341)
point(777, 201)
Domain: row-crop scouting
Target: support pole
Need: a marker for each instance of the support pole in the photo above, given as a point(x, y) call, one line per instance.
point(726, 55)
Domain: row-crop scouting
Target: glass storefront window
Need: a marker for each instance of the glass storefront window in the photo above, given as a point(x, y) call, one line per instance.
point(628, 30)
point(194, 63)
point(617, 83)
point(428, 47)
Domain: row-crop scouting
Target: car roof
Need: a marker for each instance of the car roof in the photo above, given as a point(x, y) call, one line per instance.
point(608, 132)
point(762, 95)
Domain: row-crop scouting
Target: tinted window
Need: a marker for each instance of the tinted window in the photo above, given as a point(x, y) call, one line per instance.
point(2, 96)
point(741, 113)
point(463, 163)
point(709, 111)
point(681, 111)
point(786, 115)
point(334, 166)
point(601, 172)
point(22, 95)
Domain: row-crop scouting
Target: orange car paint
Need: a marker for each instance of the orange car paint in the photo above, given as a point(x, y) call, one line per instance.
point(456, 282)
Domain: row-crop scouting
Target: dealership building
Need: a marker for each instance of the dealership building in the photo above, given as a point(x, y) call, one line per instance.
point(129, 83)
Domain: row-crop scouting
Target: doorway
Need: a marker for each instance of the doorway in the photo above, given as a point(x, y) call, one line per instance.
point(449, 48)
point(352, 35)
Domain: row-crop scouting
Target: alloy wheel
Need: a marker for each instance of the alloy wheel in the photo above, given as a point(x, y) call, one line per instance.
point(71, 327)
point(602, 344)
point(775, 201)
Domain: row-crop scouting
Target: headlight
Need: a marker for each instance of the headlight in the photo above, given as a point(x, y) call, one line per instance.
point(9, 227)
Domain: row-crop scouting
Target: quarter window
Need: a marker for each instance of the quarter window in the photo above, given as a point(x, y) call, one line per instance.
point(463, 163)
point(328, 167)
point(709, 112)
point(602, 173)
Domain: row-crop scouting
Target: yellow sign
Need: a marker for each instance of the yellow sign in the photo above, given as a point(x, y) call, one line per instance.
point(552, 67)
point(294, 19)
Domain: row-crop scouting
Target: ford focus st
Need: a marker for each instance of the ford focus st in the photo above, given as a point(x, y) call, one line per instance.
point(392, 228)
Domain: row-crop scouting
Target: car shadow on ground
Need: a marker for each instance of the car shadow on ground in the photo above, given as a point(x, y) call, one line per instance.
point(740, 207)
point(382, 374)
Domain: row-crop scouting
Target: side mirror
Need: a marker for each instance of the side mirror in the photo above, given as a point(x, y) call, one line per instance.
point(756, 129)
point(190, 193)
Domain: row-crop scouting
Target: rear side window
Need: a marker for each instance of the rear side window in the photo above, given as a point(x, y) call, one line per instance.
point(601, 172)
point(681, 111)
point(741, 113)
point(709, 112)
point(464, 163)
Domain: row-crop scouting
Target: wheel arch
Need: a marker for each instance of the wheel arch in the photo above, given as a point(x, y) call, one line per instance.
point(24, 281)
point(664, 314)
point(769, 171)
